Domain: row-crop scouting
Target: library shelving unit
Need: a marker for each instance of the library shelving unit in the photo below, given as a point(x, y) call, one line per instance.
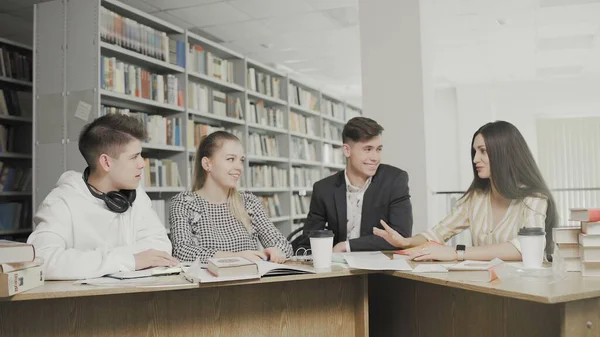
point(279, 120)
point(15, 140)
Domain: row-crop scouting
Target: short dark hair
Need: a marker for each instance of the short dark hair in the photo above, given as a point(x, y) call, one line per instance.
point(360, 129)
point(108, 134)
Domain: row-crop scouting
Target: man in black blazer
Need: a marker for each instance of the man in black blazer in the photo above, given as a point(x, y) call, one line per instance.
point(372, 190)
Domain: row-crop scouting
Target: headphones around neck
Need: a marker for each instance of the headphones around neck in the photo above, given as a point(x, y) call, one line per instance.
point(116, 201)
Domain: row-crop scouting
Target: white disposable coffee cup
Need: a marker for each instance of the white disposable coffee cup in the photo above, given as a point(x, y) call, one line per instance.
point(532, 246)
point(321, 246)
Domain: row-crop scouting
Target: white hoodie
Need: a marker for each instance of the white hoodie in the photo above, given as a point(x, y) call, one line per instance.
point(79, 237)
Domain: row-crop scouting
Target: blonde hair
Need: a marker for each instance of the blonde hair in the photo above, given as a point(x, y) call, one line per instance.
point(207, 147)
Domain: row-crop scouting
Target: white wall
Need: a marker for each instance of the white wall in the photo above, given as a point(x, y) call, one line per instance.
point(462, 110)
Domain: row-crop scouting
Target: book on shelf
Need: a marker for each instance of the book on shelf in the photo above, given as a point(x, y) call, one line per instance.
point(15, 138)
point(264, 83)
point(268, 176)
point(16, 252)
point(204, 62)
point(303, 149)
point(161, 173)
point(14, 178)
point(15, 215)
point(302, 124)
point(303, 177)
point(585, 214)
point(15, 64)
point(302, 97)
point(300, 205)
point(271, 205)
point(258, 113)
point(263, 145)
point(160, 130)
point(16, 103)
point(132, 35)
point(159, 206)
point(198, 97)
point(332, 155)
point(331, 131)
point(333, 109)
point(134, 81)
point(227, 105)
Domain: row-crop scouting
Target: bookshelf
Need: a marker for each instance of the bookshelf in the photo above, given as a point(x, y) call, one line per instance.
point(217, 89)
point(16, 120)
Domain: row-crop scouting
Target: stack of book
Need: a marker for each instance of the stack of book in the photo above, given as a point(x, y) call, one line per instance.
point(579, 246)
point(589, 239)
point(20, 270)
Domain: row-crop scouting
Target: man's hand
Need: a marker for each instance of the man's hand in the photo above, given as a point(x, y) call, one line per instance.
point(153, 258)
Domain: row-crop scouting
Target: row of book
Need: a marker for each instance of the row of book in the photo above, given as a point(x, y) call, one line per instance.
point(271, 205)
point(263, 145)
point(20, 270)
point(135, 81)
point(132, 35)
point(15, 138)
point(302, 124)
point(333, 155)
point(300, 204)
point(204, 62)
point(198, 130)
point(305, 177)
point(331, 131)
point(227, 105)
point(258, 113)
point(15, 215)
point(16, 103)
point(268, 176)
point(160, 130)
point(303, 149)
point(14, 178)
point(15, 64)
point(578, 247)
point(304, 98)
point(161, 173)
point(264, 83)
point(198, 97)
point(333, 109)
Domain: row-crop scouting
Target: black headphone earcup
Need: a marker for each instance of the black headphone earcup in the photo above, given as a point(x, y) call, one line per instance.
point(117, 202)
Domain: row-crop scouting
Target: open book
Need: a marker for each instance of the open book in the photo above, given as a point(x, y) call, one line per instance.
point(477, 271)
point(198, 274)
point(157, 271)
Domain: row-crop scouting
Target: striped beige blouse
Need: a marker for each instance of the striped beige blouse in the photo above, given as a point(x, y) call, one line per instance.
point(475, 213)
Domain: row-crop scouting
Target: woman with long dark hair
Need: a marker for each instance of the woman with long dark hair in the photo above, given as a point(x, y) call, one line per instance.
point(508, 192)
point(214, 219)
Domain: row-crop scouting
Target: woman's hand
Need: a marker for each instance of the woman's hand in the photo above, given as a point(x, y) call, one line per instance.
point(274, 254)
point(252, 255)
point(433, 252)
point(391, 236)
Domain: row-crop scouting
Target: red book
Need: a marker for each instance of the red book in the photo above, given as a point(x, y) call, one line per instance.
point(585, 214)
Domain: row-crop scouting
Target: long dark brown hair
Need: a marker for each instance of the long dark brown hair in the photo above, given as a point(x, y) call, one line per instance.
point(514, 173)
point(207, 147)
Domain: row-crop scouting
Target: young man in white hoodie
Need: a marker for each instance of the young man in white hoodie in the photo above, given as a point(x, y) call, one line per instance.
point(101, 222)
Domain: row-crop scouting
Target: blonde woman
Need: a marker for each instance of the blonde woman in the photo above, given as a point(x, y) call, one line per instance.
point(214, 219)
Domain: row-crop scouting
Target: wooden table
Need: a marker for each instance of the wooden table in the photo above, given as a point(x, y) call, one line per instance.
point(325, 304)
point(408, 304)
point(339, 303)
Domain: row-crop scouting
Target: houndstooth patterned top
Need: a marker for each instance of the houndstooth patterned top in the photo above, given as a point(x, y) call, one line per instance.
point(199, 228)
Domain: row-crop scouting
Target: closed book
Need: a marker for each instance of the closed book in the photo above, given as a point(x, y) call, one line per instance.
point(475, 271)
point(590, 227)
point(585, 214)
point(231, 266)
point(588, 240)
point(590, 269)
point(589, 254)
point(572, 264)
point(566, 234)
point(18, 281)
point(15, 252)
point(8, 267)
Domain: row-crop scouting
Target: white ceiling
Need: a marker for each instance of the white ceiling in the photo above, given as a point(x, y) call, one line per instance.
point(318, 41)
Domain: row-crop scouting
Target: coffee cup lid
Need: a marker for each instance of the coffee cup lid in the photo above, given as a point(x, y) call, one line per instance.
point(531, 231)
point(321, 233)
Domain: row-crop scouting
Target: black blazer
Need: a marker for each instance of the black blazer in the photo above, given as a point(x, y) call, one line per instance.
point(386, 198)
